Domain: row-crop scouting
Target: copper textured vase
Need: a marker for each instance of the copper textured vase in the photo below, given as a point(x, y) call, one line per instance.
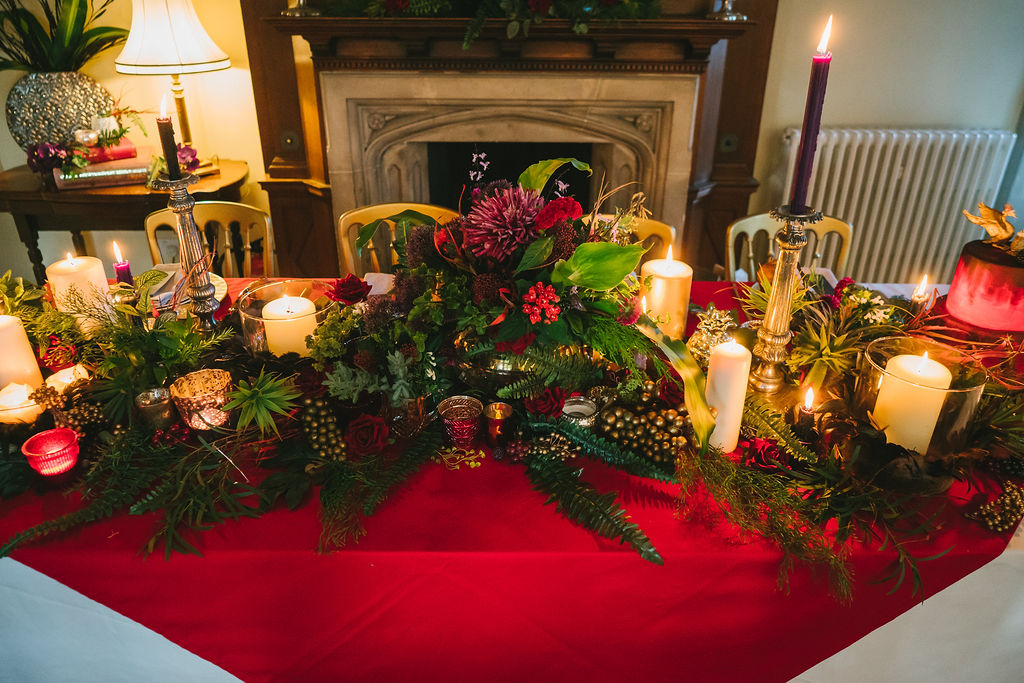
point(49, 107)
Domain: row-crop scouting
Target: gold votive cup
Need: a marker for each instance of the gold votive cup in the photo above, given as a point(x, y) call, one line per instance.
point(155, 408)
point(496, 415)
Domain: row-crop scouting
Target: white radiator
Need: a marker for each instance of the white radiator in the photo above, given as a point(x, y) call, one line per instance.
point(903, 192)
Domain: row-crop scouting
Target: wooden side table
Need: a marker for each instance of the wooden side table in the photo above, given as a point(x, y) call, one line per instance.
point(99, 208)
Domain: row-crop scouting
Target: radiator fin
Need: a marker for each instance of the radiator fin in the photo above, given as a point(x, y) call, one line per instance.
point(903, 192)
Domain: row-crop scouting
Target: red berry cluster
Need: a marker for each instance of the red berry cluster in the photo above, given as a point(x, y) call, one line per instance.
point(541, 299)
point(176, 433)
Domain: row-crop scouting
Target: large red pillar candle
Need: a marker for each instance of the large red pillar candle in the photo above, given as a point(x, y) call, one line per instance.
point(166, 130)
point(812, 123)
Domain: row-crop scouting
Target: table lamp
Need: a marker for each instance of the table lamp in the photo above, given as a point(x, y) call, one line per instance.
point(167, 38)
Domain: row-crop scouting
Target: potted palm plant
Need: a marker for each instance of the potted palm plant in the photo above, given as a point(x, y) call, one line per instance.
point(52, 40)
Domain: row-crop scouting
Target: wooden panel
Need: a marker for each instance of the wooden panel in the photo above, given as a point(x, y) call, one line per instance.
point(303, 228)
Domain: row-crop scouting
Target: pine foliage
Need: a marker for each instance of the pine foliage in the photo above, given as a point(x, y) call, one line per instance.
point(768, 424)
point(582, 503)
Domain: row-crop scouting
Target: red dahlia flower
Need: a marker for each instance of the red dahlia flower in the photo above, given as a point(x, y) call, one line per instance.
point(498, 225)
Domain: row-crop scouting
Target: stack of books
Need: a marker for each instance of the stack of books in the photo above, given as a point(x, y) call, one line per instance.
point(121, 164)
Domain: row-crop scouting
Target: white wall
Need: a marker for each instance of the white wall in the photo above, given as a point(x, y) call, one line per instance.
point(896, 63)
point(221, 111)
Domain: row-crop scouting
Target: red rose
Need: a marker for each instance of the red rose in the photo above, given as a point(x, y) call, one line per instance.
point(516, 346)
point(549, 402)
point(396, 6)
point(540, 6)
point(366, 435)
point(349, 290)
point(670, 391)
point(558, 210)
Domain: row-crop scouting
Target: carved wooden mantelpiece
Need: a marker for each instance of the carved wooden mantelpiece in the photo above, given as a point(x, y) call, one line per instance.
point(643, 46)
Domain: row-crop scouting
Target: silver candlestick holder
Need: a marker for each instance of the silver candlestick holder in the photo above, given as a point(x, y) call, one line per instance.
point(193, 251)
point(769, 374)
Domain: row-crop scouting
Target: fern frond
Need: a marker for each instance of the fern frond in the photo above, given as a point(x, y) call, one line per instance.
point(768, 424)
point(414, 456)
point(582, 503)
point(598, 448)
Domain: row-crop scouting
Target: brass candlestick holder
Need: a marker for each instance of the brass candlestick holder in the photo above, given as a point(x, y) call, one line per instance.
point(193, 252)
point(768, 374)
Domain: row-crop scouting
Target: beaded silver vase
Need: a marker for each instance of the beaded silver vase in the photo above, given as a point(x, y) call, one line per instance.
point(49, 107)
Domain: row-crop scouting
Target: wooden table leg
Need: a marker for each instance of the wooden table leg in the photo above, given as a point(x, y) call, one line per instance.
point(28, 232)
point(79, 242)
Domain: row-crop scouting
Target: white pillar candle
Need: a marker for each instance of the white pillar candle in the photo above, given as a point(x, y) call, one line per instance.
point(728, 373)
point(910, 397)
point(62, 379)
point(82, 273)
point(287, 322)
point(669, 294)
point(16, 406)
point(17, 361)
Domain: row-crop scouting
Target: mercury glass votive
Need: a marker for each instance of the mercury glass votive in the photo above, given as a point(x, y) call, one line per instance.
point(52, 452)
point(199, 397)
point(922, 393)
point(155, 408)
point(580, 411)
point(461, 417)
point(279, 316)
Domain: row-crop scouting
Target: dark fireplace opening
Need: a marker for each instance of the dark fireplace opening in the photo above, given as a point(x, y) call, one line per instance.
point(450, 164)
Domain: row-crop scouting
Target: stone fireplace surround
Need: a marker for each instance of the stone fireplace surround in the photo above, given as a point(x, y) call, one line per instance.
point(644, 95)
point(377, 126)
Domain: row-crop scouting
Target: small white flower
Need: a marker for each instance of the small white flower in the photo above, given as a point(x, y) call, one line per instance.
point(876, 315)
point(878, 301)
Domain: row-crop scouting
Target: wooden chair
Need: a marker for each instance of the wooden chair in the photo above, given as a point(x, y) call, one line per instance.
point(240, 237)
point(750, 241)
point(377, 255)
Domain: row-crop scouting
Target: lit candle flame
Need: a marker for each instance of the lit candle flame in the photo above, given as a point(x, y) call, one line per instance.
point(71, 259)
point(669, 254)
point(919, 292)
point(643, 303)
point(924, 360)
point(163, 106)
point(117, 254)
point(823, 45)
point(809, 398)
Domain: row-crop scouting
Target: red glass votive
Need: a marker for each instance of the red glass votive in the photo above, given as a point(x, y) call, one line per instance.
point(461, 417)
point(52, 452)
point(497, 415)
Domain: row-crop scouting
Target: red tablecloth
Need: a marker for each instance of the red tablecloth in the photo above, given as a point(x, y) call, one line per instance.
point(466, 575)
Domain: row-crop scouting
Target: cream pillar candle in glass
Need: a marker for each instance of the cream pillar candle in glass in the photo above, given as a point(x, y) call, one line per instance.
point(15, 405)
point(17, 361)
point(910, 399)
point(288, 320)
point(83, 273)
point(669, 294)
point(728, 371)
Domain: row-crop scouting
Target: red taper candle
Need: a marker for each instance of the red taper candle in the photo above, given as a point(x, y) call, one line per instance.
point(122, 269)
point(163, 125)
point(812, 123)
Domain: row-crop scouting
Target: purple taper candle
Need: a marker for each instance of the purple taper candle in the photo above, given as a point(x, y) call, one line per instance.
point(812, 123)
point(122, 269)
point(166, 130)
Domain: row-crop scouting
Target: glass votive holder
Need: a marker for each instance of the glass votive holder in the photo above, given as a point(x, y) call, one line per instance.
point(278, 316)
point(497, 415)
point(580, 411)
point(461, 417)
point(923, 394)
point(52, 452)
point(199, 397)
point(155, 408)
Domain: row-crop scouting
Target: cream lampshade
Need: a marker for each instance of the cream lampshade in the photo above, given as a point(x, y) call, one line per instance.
point(167, 38)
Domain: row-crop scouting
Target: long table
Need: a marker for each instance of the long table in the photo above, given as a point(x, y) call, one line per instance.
point(468, 575)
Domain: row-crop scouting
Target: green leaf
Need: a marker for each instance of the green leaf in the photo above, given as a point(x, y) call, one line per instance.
point(536, 254)
point(598, 265)
point(405, 218)
point(512, 29)
point(536, 176)
point(694, 394)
